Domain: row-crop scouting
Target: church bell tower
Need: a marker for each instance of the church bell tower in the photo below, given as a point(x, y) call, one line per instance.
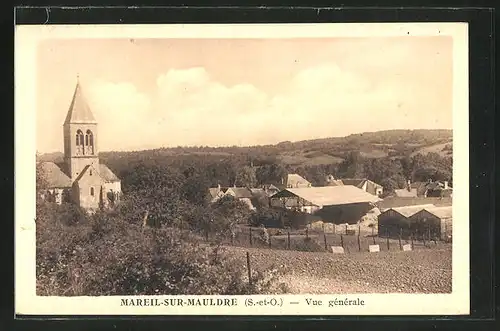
point(80, 135)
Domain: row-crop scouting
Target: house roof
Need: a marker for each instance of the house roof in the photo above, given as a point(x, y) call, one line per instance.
point(213, 191)
point(54, 176)
point(335, 182)
point(107, 174)
point(408, 211)
point(404, 193)
point(333, 195)
point(294, 179)
point(258, 191)
point(241, 192)
point(441, 212)
point(358, 182)
point(79, 111)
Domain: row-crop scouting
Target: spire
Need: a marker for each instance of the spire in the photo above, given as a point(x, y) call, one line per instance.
point(79, 111)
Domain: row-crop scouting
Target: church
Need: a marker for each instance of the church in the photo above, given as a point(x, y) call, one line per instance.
point(80, 178)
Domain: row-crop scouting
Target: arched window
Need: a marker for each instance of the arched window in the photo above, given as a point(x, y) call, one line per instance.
point(79, 142)
point(89, 141)
point(92, 191)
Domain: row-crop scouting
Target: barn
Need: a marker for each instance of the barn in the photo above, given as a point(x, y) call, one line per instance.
point(394, 222)
point(335, 204)
point(437, 220)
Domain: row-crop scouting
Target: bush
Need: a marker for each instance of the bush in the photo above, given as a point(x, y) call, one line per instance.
point(104, 255)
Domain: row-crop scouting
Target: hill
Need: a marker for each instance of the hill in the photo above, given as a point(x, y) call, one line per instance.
point(394, 143)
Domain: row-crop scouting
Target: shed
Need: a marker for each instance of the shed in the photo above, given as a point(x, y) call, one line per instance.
point(396, 221)
point(332, 203)
point(437, 220)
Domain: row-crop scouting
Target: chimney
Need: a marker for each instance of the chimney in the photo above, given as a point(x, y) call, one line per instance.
point(445, 184)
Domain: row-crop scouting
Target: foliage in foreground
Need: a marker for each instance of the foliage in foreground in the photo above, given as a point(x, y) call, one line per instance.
point(103, 255)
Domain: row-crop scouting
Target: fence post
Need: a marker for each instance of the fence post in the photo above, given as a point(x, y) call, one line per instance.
point(270, 236)
point(341, 240)
point(346, 229)
point(387, 238)
point(324, 238)
point(423, 239)
point(373, 234)
point(411, 237)
point(400, 235)
point(359, 242)
point(288, 239)
point(249, 269)
point(251, 239)
point(307, 233)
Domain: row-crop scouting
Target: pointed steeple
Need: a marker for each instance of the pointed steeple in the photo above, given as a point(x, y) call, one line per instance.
point(79, 111)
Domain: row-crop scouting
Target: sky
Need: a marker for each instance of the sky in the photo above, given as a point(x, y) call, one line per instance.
point(151, 93)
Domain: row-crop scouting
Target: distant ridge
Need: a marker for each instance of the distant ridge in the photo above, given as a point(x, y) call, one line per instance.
point(323, 150)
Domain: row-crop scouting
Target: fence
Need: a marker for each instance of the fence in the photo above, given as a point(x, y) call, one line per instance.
point(317, 241)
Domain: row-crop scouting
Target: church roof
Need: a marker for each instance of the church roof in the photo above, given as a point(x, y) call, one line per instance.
point(107, 174)
point(79, 111)
point(103, 171)
point(54, 176)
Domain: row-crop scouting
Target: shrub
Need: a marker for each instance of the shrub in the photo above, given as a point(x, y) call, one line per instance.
point(105, 255)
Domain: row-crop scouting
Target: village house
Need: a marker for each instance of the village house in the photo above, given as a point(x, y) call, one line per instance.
point(241, 193)
point(362, 183)
point(431, 189)
point(80, 178)
point(296, 181)
point(336, 204)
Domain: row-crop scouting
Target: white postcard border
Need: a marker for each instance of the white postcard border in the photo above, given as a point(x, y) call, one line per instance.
point(26, 301)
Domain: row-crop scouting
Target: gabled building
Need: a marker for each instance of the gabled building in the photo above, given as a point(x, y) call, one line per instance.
point(362, 183)
point(81, 178)
point(430, 189)
point(241, 193)
point(296, 181)
point(336, 204)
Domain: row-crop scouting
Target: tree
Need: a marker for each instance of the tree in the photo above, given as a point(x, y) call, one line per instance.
point(195, 190)
point(107, 256)
point(352, 166)
point(246, 177)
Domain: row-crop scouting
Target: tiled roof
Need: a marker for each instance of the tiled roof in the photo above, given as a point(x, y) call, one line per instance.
point(79, 111)
point(107, 174)
point(54, 176)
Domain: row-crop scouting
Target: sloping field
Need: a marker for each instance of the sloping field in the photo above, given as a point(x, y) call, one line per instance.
point(438, 148)
point(420, 271)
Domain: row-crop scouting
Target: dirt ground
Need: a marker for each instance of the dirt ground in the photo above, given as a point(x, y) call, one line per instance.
point(419, 271)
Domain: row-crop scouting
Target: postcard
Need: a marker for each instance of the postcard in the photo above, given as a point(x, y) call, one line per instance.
point(243, 169)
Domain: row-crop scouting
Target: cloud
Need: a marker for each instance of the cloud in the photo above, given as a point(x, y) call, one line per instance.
point(121, 112)
point(189, 107)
